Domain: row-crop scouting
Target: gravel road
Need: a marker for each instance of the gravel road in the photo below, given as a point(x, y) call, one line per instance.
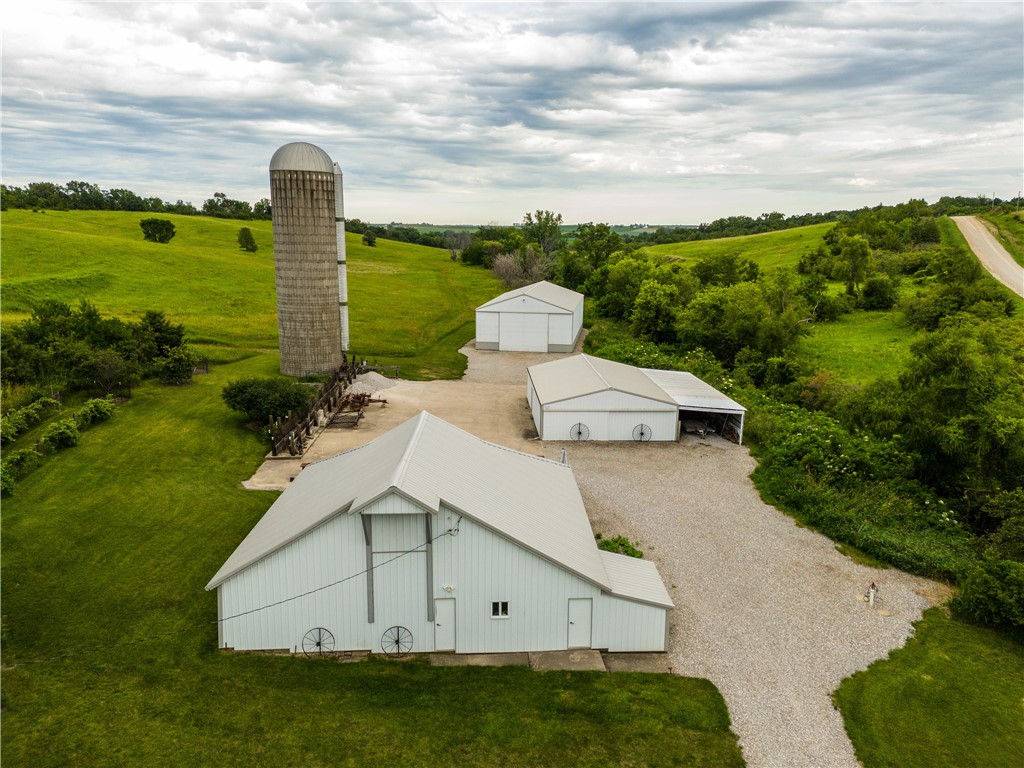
point(991, 254)
point(769, 612)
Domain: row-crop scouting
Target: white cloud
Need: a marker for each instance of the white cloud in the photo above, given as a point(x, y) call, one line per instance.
point(669, 112)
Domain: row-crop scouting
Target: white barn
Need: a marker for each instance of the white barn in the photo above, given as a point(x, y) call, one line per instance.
point(464, 545)
point(589, 398)
point(542, 317)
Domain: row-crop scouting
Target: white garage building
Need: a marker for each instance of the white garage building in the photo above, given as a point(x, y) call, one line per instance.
point(430, 539)
point(542, 317)
point(589, 398)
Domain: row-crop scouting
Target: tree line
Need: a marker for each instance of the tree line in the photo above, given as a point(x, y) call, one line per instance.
point(83, 196)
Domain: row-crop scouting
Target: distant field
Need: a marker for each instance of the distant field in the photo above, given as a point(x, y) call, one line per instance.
point(768, 250)
point(410, 305)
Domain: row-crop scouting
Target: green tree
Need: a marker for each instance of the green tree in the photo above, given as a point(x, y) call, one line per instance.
point(725, 269)
point(157, 230)
point(654, 312)
point(262, 398)
point(246, 241)
point(545, 229)
point(177, 366)
point(595, 243)
point(724, 320)
point(370, 239)
point(853, 262)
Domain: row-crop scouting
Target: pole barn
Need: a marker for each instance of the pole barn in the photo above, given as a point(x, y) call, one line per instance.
point(542, 317)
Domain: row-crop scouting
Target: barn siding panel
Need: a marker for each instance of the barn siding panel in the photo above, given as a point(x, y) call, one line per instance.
point(325, 555)
point(623, 625)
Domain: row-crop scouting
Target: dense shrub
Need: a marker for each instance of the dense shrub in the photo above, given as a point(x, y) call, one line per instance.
point(879, 293)
point(157, 230)
point(261, 398)
point(993, 593)
point(93, 411)
point(7, 481)
point(17, 421)
point(60, 434)
point(618, 544)
point(178, 366)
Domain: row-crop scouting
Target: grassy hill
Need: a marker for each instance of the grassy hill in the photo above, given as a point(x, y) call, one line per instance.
point(409, 305)
point(769, 250)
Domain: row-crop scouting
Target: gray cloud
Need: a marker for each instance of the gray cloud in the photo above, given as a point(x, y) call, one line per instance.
point(672, 112)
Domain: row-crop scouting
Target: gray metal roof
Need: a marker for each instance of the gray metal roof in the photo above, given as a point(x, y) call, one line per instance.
point(581, 375)
point(549, 293)
point(692, 393)
point(301, 156)
point(527, 499)
point(635, 579)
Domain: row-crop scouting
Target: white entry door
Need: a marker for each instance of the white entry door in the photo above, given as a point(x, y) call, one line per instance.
point(579, 622)
point(444, 624)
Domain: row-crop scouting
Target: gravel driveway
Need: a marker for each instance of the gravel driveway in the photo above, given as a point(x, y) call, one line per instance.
point(769, 612)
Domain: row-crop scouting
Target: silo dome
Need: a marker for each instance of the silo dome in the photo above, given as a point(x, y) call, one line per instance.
point(301, 156)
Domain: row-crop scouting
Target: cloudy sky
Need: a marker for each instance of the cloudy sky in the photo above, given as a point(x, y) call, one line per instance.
point(478, 112)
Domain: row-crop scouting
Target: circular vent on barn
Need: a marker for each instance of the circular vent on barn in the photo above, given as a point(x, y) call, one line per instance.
point(641, 433)
point(579, 432)
point(396, 641)
point(318, 642)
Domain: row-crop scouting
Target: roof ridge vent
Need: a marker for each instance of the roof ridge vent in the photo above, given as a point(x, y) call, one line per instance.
point(403, 463)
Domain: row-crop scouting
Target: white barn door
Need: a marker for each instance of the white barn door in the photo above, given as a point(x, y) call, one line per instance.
point(444, 624)
point(580, 611)
point(523, 332)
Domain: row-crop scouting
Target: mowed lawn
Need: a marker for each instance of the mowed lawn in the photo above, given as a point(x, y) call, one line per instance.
point(409, 305)
point(950, 697)
point(109, 637)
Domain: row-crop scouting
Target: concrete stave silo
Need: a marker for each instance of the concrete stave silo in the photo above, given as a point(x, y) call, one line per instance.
point(304, 212)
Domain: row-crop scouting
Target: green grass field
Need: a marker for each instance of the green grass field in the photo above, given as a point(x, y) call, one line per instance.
point(1010, 231)
point(409, 305)
point(860, 347)
point(950, 697)
point(769, 250)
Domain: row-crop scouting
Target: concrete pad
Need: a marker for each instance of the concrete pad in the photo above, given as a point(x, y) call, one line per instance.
point(479, 659)
point(638, 662)
point(577, 661)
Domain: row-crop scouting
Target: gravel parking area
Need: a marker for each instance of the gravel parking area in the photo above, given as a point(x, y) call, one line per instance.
point(769, 612)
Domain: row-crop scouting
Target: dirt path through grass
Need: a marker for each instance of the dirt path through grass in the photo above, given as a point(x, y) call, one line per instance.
point(991, 253)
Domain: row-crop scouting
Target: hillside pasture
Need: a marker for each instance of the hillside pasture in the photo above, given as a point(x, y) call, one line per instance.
point(409, 305)
point(769, 250)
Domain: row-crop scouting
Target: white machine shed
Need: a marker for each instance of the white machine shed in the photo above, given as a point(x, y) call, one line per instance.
point(542, 317)
point(430, 539)
point(589, 398)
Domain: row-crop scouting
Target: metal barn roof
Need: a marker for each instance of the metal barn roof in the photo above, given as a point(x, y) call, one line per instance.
point(581, 375)
point(527, 499)
point(301, 156)
point(549, 293)
point(636, 579)
point(692, 393)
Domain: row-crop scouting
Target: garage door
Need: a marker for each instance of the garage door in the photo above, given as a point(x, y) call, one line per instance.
point(523, 333)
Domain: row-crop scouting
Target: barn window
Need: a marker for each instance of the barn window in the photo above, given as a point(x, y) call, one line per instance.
point(499, 609)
